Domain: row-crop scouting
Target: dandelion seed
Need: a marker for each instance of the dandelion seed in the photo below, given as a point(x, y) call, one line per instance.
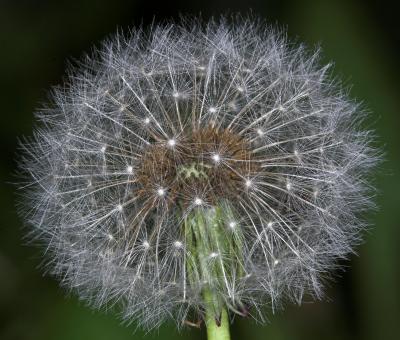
point(232, 225)
point(216, 158)
point(160, 192)
point(213, 255)
point(178, 244)
point(198, 201)
point(171, 142)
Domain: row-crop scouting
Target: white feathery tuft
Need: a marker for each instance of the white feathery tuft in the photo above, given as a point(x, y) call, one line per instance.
point(299, 186)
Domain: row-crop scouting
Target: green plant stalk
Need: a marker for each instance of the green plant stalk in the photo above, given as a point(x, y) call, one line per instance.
point(203, 234)
point(216, 329)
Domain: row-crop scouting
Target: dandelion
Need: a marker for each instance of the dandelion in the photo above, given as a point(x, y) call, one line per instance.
point(197, 173)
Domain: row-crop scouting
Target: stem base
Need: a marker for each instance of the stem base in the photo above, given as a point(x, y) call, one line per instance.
point(215, 331)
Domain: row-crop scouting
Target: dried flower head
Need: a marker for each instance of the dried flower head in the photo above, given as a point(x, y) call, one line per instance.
point(195, 158)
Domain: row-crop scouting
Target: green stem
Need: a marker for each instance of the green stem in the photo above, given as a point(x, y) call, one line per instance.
point(205, 235)
point(217, 326)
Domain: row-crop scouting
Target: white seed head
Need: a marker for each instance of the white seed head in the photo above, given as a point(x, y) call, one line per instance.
point(117, 124)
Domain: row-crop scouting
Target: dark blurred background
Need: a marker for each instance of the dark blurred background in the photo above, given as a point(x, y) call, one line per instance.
point(362, 38)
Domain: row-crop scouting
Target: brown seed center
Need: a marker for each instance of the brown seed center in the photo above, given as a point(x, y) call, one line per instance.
point(210, 163)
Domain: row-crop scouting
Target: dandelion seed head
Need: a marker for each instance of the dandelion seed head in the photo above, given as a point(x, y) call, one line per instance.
point(121, 174)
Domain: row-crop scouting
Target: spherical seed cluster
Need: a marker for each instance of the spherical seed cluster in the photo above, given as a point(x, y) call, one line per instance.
point(218, 157)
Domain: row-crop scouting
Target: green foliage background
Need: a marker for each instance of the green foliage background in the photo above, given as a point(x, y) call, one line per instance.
point(37, 38)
